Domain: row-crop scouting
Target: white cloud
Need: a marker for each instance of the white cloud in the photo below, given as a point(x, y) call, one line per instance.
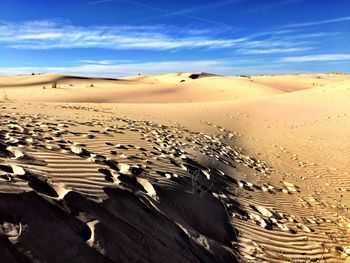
point(265, 6)
point(317, 58)
point(41, 35)
point(104, 61)
point(186, 12)
point(44, 35)
point(127, 69)
point(48, 35)
point(223, 67)
point(319, 22)
point(274, 50)
point(210, 5)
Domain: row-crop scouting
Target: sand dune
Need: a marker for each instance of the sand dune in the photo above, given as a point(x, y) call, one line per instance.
point(256, 170)
point(299, 82)
point(169, 88)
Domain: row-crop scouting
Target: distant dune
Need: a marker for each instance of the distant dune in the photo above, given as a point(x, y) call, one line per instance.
point(167, 88)
point(183, 167)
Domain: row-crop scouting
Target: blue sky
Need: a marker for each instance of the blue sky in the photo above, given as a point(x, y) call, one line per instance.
point(127, 37)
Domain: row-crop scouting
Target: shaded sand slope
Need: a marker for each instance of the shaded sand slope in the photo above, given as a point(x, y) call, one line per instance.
point(45, 79)
point(111, 189)
point(264, 178)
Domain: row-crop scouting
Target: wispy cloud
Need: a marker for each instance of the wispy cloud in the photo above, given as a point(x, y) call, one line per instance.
point(319, 22)
point(278, 43)
point(104, 62)
point(186, 12)
point(40, 35)
point(98, 2)
point(317, 58)
point(224, 67)
point(48, 35)
point(44, 35)
point(265, 6)
point(127, 69)
point(275, 50)
point(211, 5)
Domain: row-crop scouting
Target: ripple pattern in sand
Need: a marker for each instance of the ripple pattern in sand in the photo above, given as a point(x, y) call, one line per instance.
point(128, 190)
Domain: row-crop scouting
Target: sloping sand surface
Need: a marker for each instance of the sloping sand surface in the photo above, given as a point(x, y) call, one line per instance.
point(169, 88)
point(256, 173)
point(291, 83)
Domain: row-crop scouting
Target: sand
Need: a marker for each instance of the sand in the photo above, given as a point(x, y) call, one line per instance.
point(175, 167)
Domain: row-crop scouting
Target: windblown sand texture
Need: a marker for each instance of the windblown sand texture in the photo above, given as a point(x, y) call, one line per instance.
point(175, 168)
